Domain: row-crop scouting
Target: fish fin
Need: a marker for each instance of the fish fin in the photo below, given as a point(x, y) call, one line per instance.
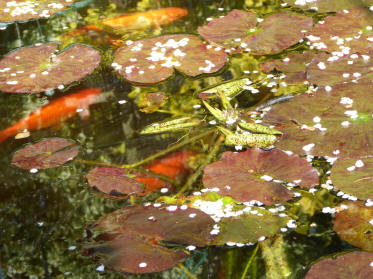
point(84, 113)
point(4, 135)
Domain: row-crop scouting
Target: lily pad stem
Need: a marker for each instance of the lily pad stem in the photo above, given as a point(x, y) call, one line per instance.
point(253, 254)
point(187, 272)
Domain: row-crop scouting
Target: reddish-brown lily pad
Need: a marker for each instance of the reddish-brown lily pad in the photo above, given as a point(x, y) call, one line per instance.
point(257, 174)
point(353, 223)
point(331, 122)
point(356, 265)
point(39, 68)
point(326, 71)
point(48, 153)
point(153, 60)
point(23, 10)
point(324, 6)
point(332, 35)
point(239, 30)
point(113, 181)
point(354, 177)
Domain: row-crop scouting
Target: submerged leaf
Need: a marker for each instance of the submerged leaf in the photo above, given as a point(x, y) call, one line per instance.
point(173, 125)
point(250, 140)
point(258, 175)
point(37, 68)
point(48, 153)
point(324, 6)
point(230, 89)
point(150, 102)
point(153, 60)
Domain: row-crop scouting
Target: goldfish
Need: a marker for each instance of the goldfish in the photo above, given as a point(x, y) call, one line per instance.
point(143, 20)
point(55, 112)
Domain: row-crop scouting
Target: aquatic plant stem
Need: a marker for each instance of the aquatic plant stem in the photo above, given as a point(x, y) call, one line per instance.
point(253, 254)
point(170, 149)
point(187, 272)
point(198, 172)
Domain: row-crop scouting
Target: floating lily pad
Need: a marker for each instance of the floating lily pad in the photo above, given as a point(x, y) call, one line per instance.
point(113, 181)
point(38, 68)
point(325, 71)
point(332, 35)
point(331, 122)
point(353, 223)
point(324, 6)
point(257, 175)
point(293, 66)
point(48, 153)
point(355, 265)
point(153, 60)
point(354, 177)
point(239, 31)
point(249, 227)
point(23, 10)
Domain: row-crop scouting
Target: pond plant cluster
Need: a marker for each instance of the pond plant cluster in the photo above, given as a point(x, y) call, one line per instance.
point(269, 109)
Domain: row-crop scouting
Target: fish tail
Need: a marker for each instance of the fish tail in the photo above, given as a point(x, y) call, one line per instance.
point(5, 134)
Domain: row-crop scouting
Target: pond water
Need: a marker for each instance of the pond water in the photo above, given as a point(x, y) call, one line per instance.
point(176, 137)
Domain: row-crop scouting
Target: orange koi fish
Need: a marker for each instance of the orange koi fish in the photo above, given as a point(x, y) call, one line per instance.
point(55, 112)
point(143, 20)
point(174, 166)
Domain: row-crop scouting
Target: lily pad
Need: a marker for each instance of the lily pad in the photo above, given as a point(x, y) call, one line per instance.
point(48, 153)
point(38, 68)
point(326, 71)
point(353, 223)
point(239, 31)
point(113, 181)
point(355, 265)
point(23, 10)
point(152, 60)
point(293, 66)
point(257, 174)
point(324, 6)
point(332, 35)
point(354, 177)
point(331, 122)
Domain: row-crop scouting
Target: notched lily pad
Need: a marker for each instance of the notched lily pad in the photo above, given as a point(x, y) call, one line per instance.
point(355, 265)
point(324, 6)
point(239, 31)
point(293, 66)
point(334, 122)
point(113, 181)
point(48, 153)
point(38, 68)
point(354, 177)
point(353, 223)
point(152, 60)
point(331, 35)
point(258, 175)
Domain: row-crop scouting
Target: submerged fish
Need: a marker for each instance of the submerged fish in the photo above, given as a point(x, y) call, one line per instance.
point(55, 112)
point(143, 20)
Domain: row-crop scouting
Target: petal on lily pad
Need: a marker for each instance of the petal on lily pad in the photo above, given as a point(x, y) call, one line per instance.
point(240, 31)
point(324, 70)
point(354, 177)
point(332, 35)
point(335, 121)
point(353, 223)
point(293, 66)
point(23, 10)
point(324, 6)
point(355, 265)
point(113, 181)
point(152, 60)
point(257, 174)
point(39, 68)
point(48, 153)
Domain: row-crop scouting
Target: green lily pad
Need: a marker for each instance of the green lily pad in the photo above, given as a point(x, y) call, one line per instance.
point(293, 66)
point(353, 223)
point(113, 181)
point(332, 35)
point(355, 265)
point(239, 31)
point(38, 68)
point(152, 60)
point(354, 177)
point(325, 71)
point(258, 175)
point(335, 121)
point(48, 153)
point(324, 6)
